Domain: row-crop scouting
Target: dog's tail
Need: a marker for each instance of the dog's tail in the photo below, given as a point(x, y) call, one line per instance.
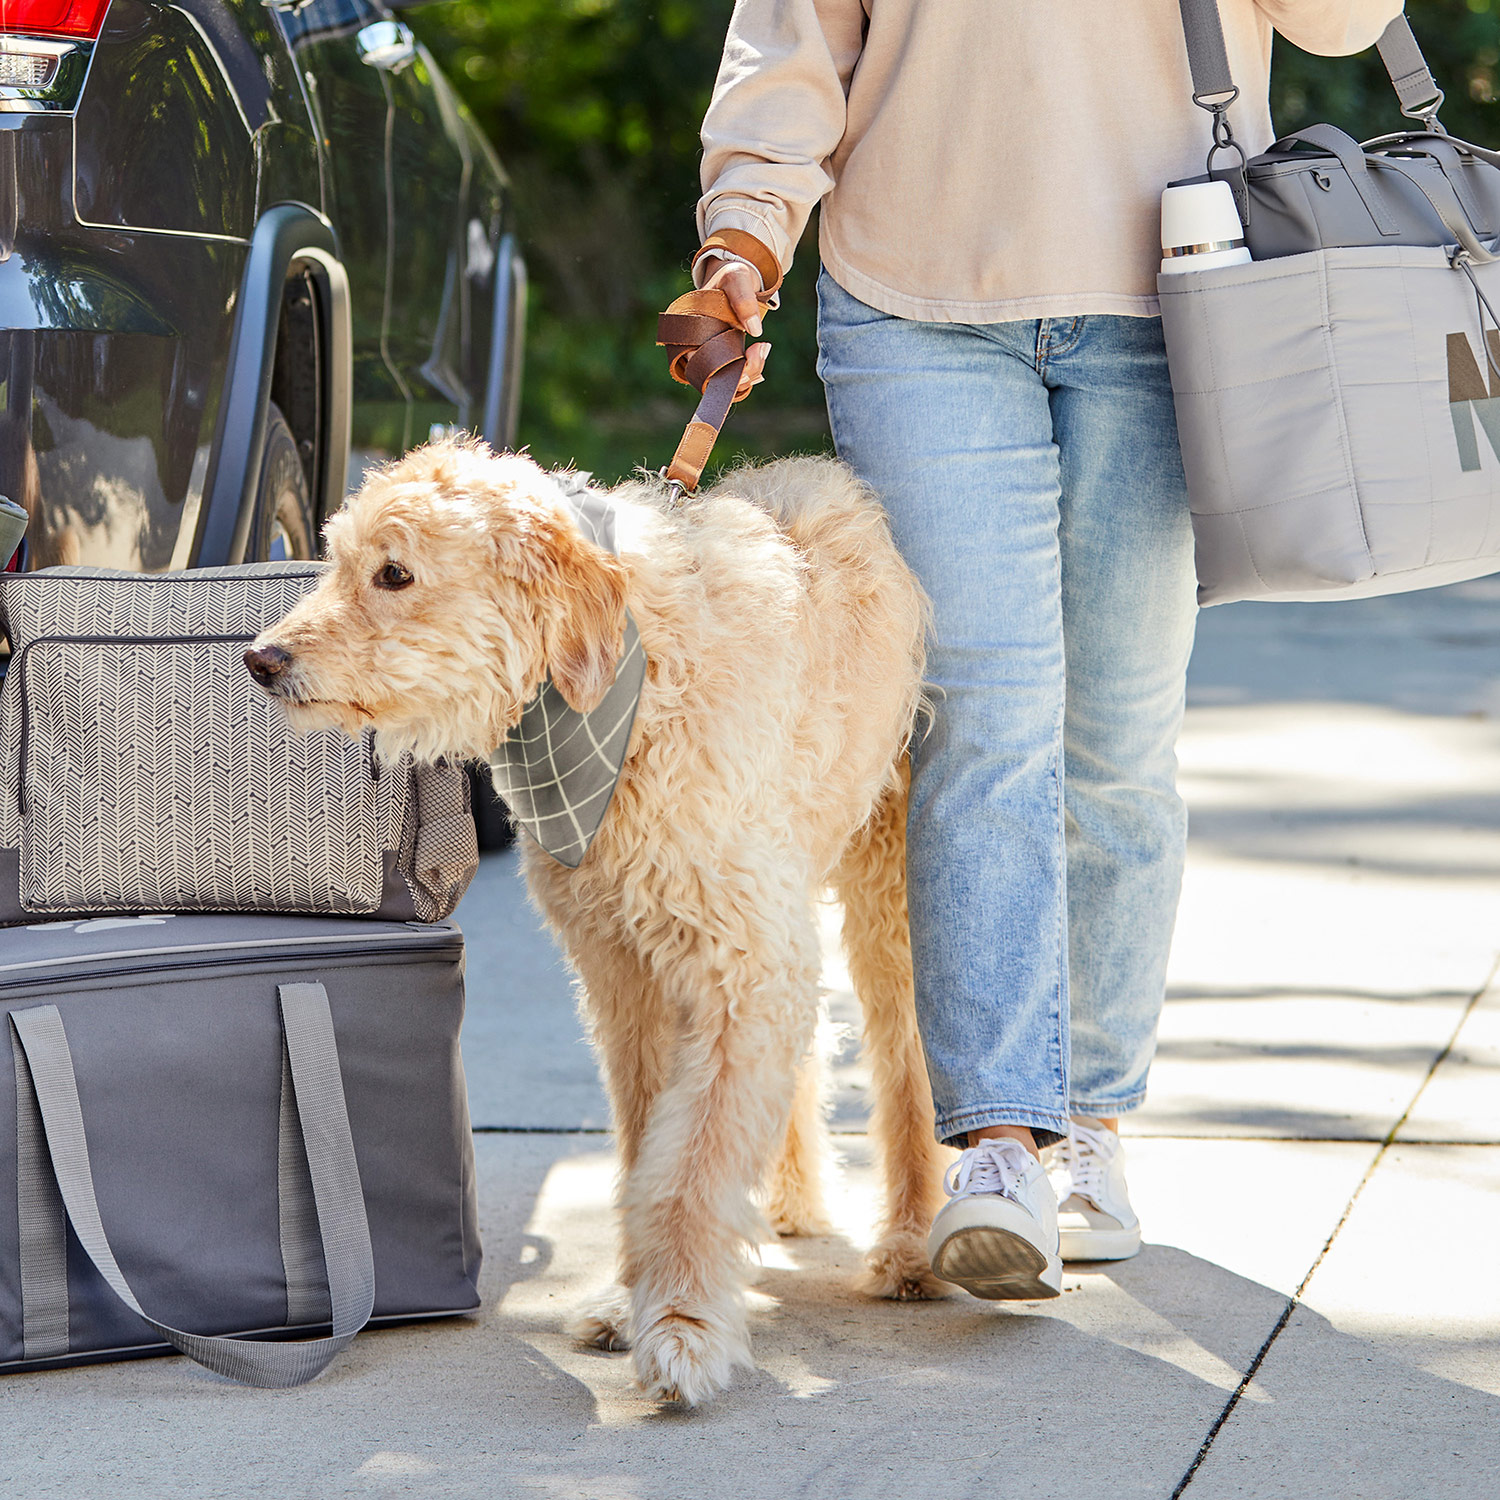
point(871, 882)
point(818, 501)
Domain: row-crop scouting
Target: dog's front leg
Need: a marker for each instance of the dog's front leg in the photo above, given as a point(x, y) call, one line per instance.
point(747, 1000)
point(631, 1028)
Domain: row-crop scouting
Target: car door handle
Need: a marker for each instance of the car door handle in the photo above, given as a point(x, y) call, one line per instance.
point(388, 45)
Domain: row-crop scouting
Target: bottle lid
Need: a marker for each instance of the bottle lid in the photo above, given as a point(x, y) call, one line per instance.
point(1200, 217)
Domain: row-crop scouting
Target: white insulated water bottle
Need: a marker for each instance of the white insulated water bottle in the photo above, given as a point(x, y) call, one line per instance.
point(1200, 228)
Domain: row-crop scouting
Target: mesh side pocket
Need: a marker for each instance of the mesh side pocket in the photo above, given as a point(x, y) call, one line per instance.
point(445, 852)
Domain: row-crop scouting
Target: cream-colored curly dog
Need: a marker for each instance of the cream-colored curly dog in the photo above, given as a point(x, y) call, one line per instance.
point(785, 643)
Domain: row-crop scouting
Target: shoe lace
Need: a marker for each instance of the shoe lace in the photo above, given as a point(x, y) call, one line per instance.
point(1082, 1162)
point(993, 1166)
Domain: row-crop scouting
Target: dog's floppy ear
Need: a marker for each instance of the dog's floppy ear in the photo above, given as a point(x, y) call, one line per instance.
point(584, 631)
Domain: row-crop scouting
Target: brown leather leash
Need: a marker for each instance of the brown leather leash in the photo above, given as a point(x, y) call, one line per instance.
point(705, 345)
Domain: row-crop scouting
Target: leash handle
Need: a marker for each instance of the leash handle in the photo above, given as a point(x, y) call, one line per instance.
point(705, 347)
point(706, 350)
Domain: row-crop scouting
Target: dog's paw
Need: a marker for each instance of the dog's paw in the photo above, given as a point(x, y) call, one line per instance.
point(604, 1324)
point(794, 1204)
point(687, 1359)
point(898, 1270)
point(797, 1218)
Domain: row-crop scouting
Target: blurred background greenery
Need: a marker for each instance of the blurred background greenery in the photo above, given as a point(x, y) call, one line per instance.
point(595, 105)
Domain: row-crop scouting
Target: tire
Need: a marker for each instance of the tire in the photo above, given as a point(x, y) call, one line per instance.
point(491, 817)
point(284, 528)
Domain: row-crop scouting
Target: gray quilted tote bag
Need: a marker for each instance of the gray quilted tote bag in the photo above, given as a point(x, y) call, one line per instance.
point(1338, 399)
point(141, 769)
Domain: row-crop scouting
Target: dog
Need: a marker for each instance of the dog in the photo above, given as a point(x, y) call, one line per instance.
point(784, 638)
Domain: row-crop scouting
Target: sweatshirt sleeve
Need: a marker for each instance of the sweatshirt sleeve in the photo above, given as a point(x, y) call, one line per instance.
point(777, 114)
point(1331, 28)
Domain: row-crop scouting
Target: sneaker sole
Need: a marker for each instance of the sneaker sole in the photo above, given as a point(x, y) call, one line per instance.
point(997, 1265)
point(1098, 1244)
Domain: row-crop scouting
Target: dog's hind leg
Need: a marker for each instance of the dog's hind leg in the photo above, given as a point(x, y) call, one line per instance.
point(631, 1032)
point(871, 881)
point(794, 1194)
point(747, 987)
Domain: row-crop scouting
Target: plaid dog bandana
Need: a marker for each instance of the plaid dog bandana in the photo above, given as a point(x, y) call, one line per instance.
point(556, 770)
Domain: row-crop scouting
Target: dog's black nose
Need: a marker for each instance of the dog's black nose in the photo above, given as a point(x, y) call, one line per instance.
point(266, 663)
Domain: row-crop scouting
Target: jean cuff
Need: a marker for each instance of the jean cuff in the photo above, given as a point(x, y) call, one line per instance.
point(953, 1126)
point(1107, 1109)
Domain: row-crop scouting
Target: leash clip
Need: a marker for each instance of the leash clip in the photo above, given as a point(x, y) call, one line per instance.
point(676, 489)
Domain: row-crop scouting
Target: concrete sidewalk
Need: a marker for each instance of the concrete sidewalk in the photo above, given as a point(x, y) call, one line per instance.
point(1318, 1174)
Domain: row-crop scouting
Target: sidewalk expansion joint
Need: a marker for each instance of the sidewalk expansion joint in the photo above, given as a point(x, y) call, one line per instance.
point(1296, 1298)
point(1295, 1140)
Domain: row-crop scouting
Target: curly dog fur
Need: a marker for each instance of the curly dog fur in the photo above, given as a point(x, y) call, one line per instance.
point(785, 644)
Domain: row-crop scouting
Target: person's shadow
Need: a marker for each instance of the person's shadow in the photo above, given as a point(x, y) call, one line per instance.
point(1112, 1389)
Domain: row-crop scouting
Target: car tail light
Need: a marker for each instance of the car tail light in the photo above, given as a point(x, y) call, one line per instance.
point(73, 18)
point(26, 70)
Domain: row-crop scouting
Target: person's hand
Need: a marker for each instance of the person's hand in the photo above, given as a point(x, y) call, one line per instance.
point(740, 283)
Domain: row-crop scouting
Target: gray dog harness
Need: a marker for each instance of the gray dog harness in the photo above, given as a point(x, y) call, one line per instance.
point(557, 769)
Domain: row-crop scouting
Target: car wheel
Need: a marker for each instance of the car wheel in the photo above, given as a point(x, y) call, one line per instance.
point(491, 816)
point(284, 529)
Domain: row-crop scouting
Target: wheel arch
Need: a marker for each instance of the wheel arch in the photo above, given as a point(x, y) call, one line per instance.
point(288, 238)
point(502, 396)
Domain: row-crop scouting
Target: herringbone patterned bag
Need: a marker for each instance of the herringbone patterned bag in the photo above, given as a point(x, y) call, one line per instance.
point(142, 770)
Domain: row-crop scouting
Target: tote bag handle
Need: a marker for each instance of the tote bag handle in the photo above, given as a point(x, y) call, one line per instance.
point(47, 1094)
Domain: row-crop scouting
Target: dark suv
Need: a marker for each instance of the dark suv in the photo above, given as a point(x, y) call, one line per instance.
point(245, 248)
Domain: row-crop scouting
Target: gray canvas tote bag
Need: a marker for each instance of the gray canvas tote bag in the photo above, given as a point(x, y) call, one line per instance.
point(1338, 399)
point(141, 768)
point(217, 1127)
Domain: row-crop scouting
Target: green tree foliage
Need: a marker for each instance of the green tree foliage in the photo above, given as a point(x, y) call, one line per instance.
point(595, 105)
point(1461, 40)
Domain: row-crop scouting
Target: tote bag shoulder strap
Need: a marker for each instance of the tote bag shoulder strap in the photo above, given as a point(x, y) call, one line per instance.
point(1214, 89)
point(1416, 88)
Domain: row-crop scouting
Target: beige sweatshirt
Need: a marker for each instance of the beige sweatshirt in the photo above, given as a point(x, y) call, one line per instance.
point(983, 160)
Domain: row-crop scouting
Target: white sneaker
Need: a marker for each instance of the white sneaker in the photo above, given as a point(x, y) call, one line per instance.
point(997, 1235)
point(1094, 1217)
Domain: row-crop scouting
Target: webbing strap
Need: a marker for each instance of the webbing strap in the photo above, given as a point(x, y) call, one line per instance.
point(43, 1223)
point(1209, 61)
point(301, 1247)
point(1410, 76)
point(43, 1228)
point(1207, 58)
point(324, 1122)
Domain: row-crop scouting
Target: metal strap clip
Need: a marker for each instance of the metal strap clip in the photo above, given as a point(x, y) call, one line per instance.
point(675, 488)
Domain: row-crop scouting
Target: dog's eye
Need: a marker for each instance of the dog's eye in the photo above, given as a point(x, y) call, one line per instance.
point(393, 576)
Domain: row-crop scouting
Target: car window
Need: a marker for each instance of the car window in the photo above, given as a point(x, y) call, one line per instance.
point(324, 18)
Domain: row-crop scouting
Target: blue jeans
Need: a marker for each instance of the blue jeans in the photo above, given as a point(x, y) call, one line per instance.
point(1033, 480)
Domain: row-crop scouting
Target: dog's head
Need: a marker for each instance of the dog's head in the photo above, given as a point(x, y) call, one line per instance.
point(458, 581)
